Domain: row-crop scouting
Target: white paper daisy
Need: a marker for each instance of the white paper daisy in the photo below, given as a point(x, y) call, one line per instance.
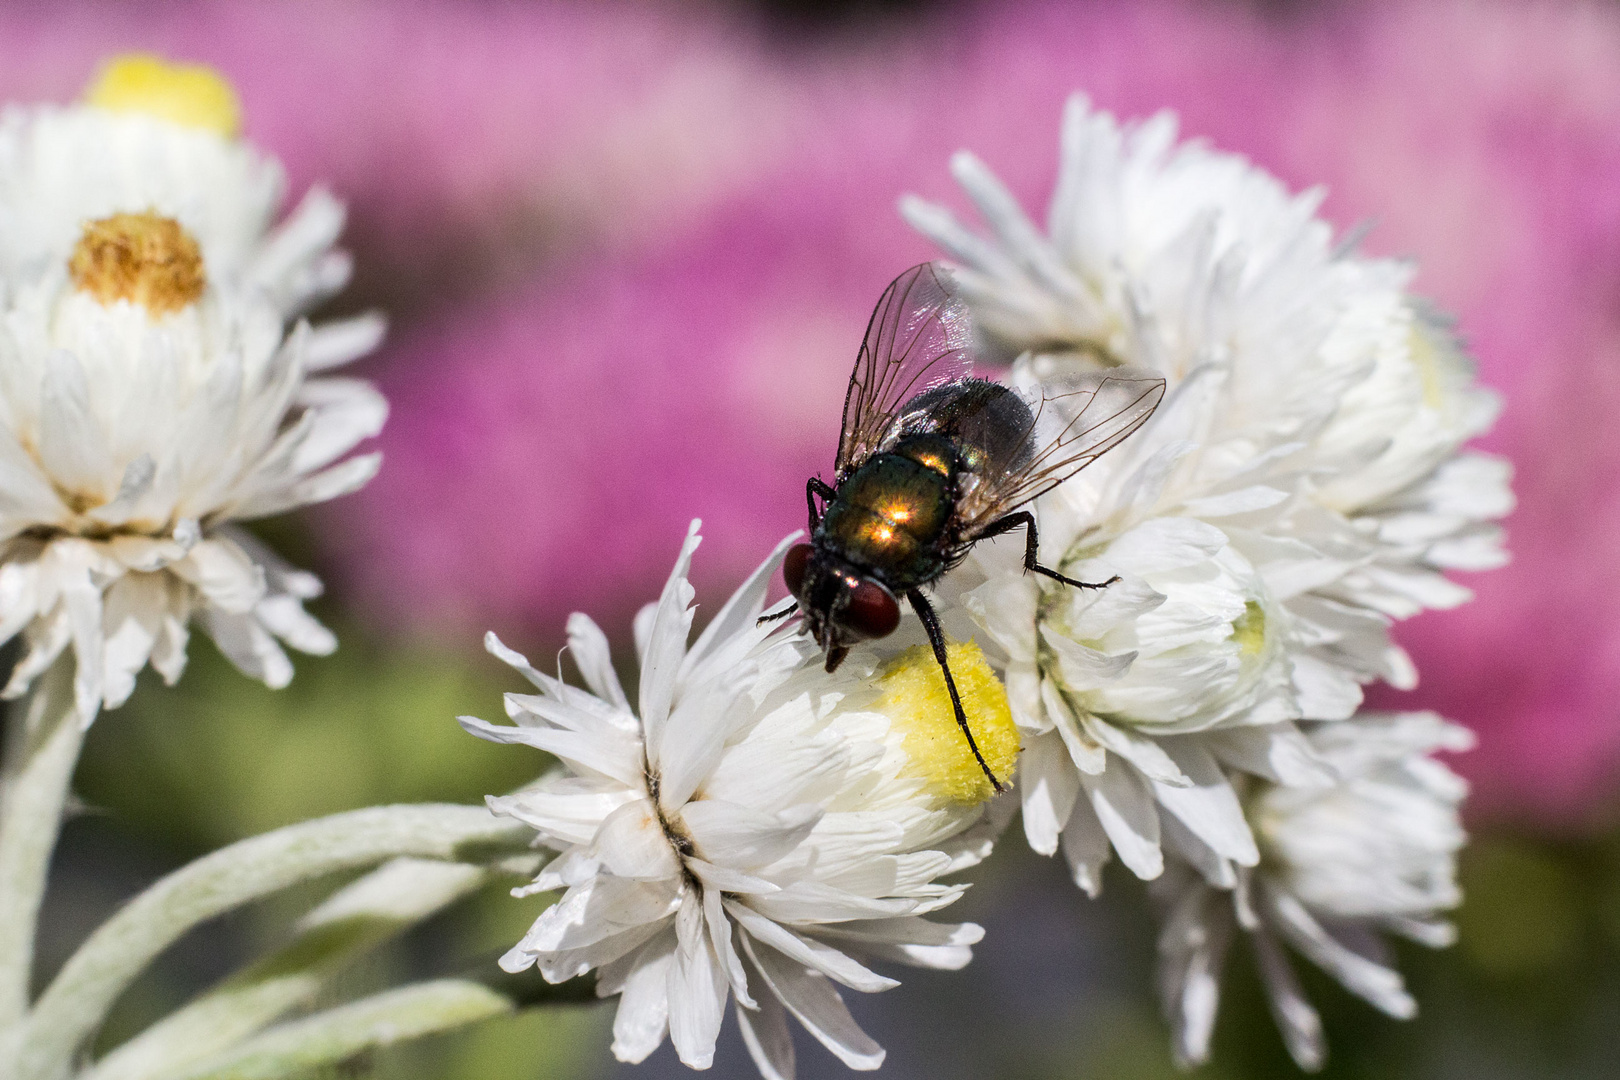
point(143, 408)
point(160, 138)
point(1373, 851)
point(1346, 389)
point(1300, 486)
point(754, 828)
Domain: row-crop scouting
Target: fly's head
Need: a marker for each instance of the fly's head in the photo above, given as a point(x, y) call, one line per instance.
point(840, 605)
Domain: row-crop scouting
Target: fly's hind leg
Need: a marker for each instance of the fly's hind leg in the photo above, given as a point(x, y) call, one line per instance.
point(1022, 519)
point(936, 638)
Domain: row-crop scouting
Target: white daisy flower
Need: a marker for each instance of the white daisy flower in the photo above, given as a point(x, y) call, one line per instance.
point(159, 138)
point(1375, 850)
point(1136, 698)
point(1299, 487)
point(1182, 259)
point(142, 410)
point(755, 828)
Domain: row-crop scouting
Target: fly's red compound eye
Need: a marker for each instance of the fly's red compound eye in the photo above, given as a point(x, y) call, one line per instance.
point(872, 612)
point(793, 567)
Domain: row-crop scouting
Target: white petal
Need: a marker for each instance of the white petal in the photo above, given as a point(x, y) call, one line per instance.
point(720, 938)
point(912, 941)
point(809, 952)
point(619, 758)
point(589, 648)
point(725, 879)
point(72, 445)
point(666, 646)
point(765, 1033)
point(734, 835)
point(340, 341)
point(643, 1014)
point(1085, 848)
point(1278, 752)
point(1049, 786)
point(697, 988)
point(224, 574)
point(1147, 755)
point(1208, 807)
point(1380, 986)
point(631, 844)
point(601, 908)
point(725, 639)
point(346, 413)
point(1129, 816)
point(1299, 1023)
point(811, 998)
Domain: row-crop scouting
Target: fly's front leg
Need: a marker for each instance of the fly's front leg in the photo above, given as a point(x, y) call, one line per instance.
point(936, 638)
point(791, 609)
point(1022, 519)
point(813, 487)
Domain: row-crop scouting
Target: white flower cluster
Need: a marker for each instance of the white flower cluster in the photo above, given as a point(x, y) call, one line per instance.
point(151, 389)
point(753, 829)
point(1301, 486)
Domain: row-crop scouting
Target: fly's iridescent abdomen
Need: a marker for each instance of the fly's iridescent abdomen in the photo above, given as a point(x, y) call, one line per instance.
point(986, 424)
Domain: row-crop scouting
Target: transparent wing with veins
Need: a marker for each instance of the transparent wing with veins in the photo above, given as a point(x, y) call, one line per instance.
point(1072, 424)
point(920, 336)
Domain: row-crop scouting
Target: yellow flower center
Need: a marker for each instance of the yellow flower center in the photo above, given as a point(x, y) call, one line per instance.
point(1249, 629)
point(1426, 357)
point(145, 258)
point(187, 94)
point(919, 708)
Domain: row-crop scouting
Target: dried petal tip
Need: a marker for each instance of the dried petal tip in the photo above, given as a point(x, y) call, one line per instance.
point(144, 258)
point(187, 94)
point(919, 708)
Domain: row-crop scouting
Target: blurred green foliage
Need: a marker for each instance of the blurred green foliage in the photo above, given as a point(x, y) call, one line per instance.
point(221, 757)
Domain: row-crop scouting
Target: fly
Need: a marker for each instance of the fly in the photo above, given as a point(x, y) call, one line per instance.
point(932, 460)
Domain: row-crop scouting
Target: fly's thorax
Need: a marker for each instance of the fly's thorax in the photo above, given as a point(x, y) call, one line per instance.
point(888, 518)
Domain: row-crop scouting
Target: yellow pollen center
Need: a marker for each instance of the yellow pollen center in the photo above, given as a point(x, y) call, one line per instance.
point(189, 94)
point(919, 709)
point(1426, 358)
point(1249, 629)
point(145, 258)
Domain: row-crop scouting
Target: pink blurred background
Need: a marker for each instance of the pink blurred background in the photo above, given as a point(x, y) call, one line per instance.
point(628, 251)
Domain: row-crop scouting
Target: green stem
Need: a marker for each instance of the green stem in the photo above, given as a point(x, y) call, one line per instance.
point(43, 737)
point(301, 1047)
point(74, 1005)
point(351, 922)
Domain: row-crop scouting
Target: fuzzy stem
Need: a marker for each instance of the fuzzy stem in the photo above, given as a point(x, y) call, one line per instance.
point(348, 924)
point(43, 737)
point(300, 1047)
point(73, 1006)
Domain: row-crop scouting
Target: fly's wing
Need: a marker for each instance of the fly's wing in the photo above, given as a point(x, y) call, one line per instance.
point(1071, 424)
point(920, 336)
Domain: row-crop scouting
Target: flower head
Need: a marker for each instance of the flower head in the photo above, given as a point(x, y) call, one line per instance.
point(1300, 487)
point(755, 828)
point(1373, 850)
point(151, 137)
point(149, 397)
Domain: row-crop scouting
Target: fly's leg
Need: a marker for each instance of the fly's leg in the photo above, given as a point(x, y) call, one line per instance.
point(813, 487)
point(1024, 518)
point(936, 638)
point(791, 609)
